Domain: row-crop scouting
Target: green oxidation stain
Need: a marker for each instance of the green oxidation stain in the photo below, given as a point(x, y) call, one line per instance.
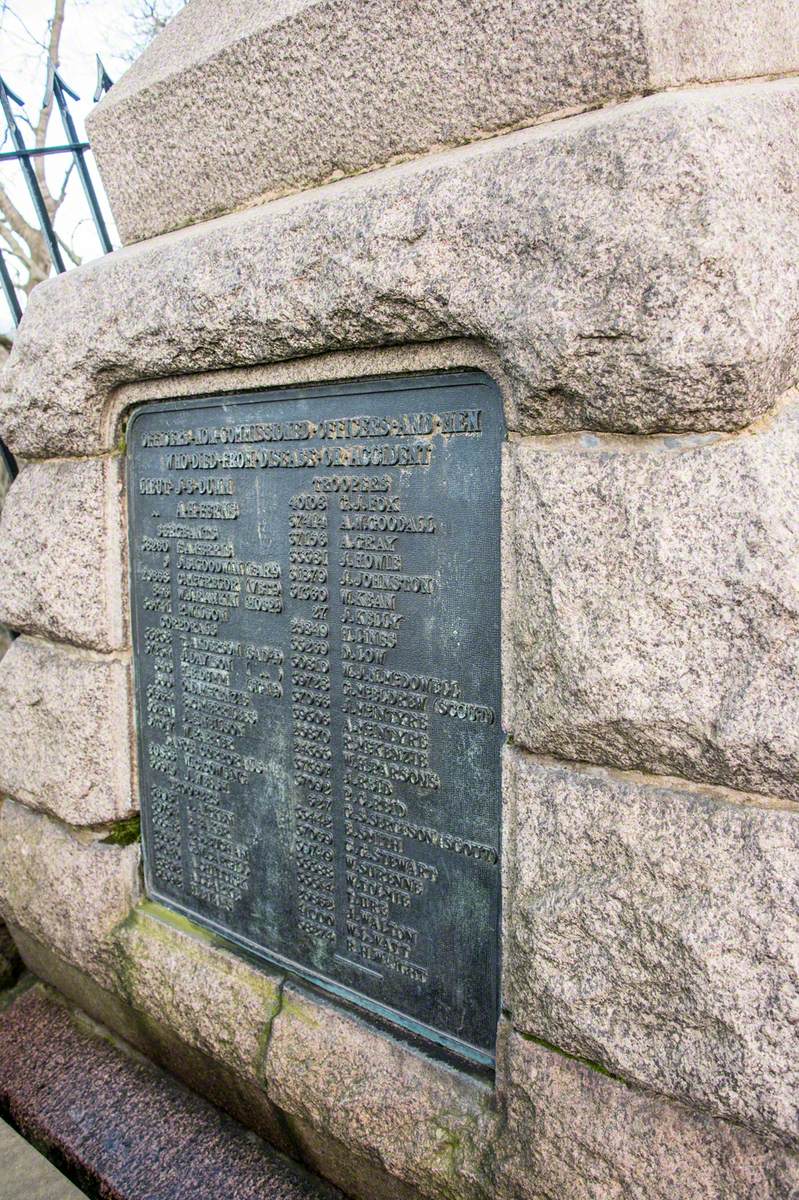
point(449, 1148)
point(586, 1062)
point(154, 921)
point(285, 1006)
point(262, 1049)
point(461, 1150)
point(163, 919)
point(166, 916)
point(129, 964)
point(123, 833)
point(291, 1008)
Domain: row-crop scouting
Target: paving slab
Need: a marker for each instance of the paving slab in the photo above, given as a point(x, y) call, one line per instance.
point(25, 1174)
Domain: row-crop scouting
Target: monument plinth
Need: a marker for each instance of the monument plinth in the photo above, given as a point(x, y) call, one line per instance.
point(455, 429)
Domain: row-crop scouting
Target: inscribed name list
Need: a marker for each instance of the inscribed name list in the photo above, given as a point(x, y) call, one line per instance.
point(316, 604)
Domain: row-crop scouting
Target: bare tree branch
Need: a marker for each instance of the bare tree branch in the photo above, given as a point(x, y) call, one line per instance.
point(14, 218)
point(23, 241)
point(147, 19)
point(56, 26)
point(63, 192)
point(67, 248)
point(16, 248)
point(7, 10)
point(26, 242)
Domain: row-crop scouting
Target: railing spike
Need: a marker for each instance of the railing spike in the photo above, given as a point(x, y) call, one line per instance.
point(54, 74)
point(10, 290)
point(60, 93)
point(34, 190)
point(104, 81)
point(11, 95)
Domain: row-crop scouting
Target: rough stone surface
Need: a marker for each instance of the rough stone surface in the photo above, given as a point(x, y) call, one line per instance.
point(61, 569)
point(724, 39)
point(575, 1134)
point(423, 1122)
point(312, 90)
point(635, 269)
point(66, 891)
point(5, 484)
point(64, 732)
point(126, 1130)
point(212, 1000)
point(340, 366)
point(358, 1176)
point(655, 622)
point(655, 928)
point(383, 1120)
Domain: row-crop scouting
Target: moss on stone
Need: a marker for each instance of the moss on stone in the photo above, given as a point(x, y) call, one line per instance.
point(291, 1008)
point(585, 1062)
point(461, 1152)
point(155, 948)
point(449, 1149)
point(265, 1037)
point(124, 833)
point(25, 981)
point(160, 915)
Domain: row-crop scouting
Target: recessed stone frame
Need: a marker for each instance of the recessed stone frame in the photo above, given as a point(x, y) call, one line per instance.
point(455, 605)
point(399, 362)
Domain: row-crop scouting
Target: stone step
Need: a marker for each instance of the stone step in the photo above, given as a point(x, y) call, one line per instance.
point(121, 1126)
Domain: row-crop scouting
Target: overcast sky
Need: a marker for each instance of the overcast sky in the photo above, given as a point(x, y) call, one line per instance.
point(91, 27)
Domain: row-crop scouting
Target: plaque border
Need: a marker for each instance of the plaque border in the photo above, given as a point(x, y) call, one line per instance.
point(238, 942)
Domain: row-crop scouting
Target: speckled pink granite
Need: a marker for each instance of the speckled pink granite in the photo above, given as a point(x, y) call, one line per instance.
point(125, 1128)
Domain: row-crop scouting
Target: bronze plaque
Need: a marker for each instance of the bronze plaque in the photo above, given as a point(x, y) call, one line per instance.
point(315, 581)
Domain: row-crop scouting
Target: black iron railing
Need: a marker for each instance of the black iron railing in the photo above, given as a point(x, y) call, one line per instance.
point(23, 154)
